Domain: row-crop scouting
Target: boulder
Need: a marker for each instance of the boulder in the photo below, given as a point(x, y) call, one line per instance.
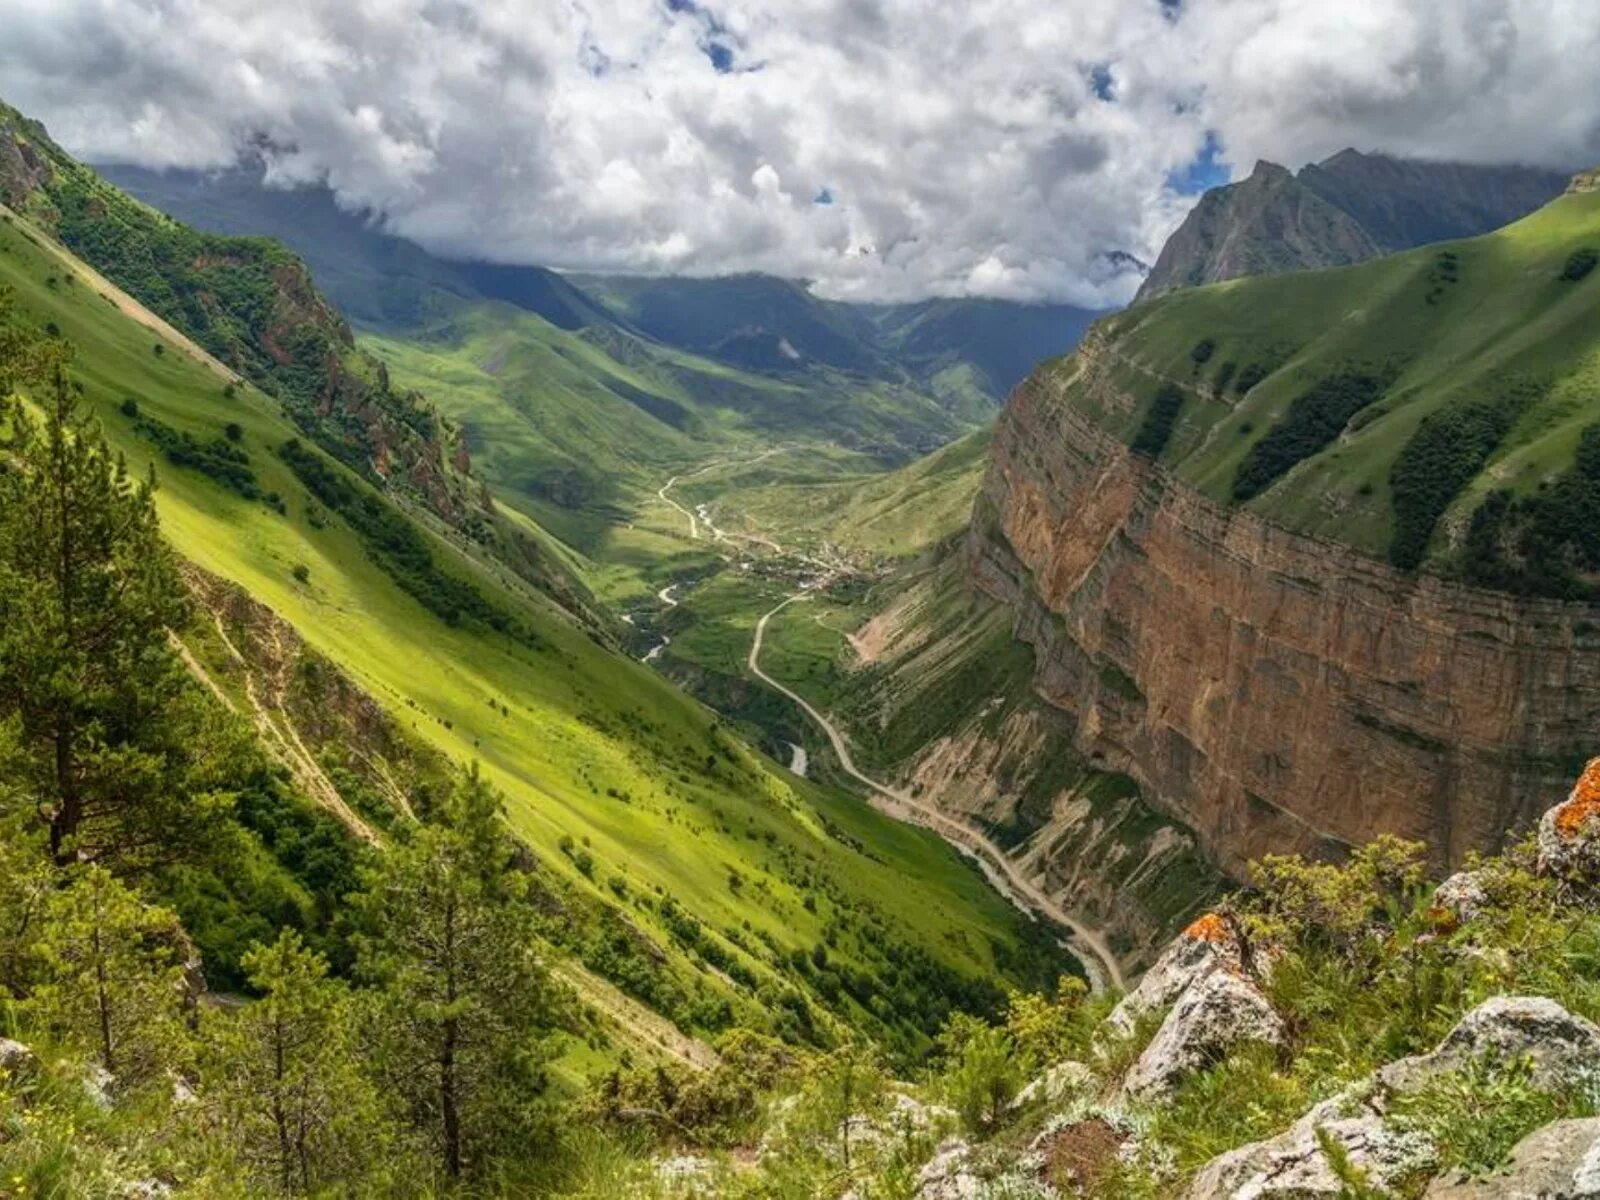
point(1569, 833)
point(1460, 899)
point(1060, 1082)
point(1561, 1046)
point(1207, 945)
point(15, 1058)
point(1558, 1162)
point(97, 1085)
point(948, 1175)
point(1219, 1011)
point(1293, 1165)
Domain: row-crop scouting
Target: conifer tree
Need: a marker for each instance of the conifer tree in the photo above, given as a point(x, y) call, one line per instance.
point(465, 1006)
point(109, 745)
point(286, 1078)
point(111, 974)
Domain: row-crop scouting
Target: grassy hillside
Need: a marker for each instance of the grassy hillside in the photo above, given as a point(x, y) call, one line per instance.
point(809, 499)
point(627, 789)
point(1428, 406)
point(576, 427)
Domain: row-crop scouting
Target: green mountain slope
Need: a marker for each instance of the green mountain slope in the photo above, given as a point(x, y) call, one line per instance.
point(1435, 407)
point(714, 869)
point(1347, 209)
point(893, 514)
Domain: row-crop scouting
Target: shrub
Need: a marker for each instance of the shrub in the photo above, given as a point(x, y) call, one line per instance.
point(1156, 428)
point(1202, 352)
point(1224, 376)
point(1249, 377)
point(1544, 544)
point(233, 431)
point(302, 573)
point(217, 458)
point(1447, 451)
point(1313, 421)
point(1579, 264)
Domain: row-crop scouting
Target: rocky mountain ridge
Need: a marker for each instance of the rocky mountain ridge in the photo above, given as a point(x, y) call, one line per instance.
point(1347, 209)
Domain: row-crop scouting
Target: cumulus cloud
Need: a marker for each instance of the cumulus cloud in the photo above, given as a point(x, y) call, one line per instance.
point(886, 149)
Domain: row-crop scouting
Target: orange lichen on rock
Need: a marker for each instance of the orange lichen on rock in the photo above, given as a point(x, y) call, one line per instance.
point(1573, 816)
point(1209, 927)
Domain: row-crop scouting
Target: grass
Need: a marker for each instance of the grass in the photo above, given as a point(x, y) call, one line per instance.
point(812, 497)
point(1474, 322)
point(585, 744)
point(576, 428)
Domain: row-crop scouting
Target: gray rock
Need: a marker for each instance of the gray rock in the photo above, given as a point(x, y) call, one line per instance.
point(1219, 1011)
point(1060, 1082)
point(15, 1058)
point(97, 1084)
point(1191, 956)
point(1569, 833)
point(144, 1189)
point(1462, 896)
point(1563, 1049)
point(1561, 1046)
point(948, 1174)
point(1293, 1165)
point(1559, 1162)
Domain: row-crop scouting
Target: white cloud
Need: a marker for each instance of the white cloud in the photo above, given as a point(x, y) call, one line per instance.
point(963, 145)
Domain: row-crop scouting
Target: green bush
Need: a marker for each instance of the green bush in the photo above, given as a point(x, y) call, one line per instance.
point(1314, 420)
point(1544, 544)
point(1156, 428)
point(1249, 377)
point(1445, 454)
point(1579, 264)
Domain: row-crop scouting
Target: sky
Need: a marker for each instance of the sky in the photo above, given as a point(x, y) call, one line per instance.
point(883, 149)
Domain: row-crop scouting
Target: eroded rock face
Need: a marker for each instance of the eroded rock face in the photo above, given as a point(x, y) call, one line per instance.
point(1215, 1014)
point(1559, 1162)
point(1274, 692)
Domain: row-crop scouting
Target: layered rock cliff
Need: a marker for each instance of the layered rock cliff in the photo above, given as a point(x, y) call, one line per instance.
point(1274, 692)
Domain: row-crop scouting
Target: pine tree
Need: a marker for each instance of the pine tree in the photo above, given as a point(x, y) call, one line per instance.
point(109, 746)
point(465, 1005)
point(843, 1087)
point(112, 975)
point(286, 1078)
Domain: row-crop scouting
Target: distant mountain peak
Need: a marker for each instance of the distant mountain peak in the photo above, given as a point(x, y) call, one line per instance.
point(1348, 208)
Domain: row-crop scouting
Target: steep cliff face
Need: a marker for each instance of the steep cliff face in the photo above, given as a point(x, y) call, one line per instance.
point(1275, 692)
point(944, 700)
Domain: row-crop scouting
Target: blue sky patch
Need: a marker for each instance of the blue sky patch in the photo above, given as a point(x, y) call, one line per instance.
point(1203, 172)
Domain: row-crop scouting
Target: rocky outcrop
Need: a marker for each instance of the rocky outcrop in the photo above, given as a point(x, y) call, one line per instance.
point(1272, 691)
point(1208, 945)
point(1569, 834)
point(1559, 1162)
point(1559, 1048)
point(1214, 1015)
point(948, 1175)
